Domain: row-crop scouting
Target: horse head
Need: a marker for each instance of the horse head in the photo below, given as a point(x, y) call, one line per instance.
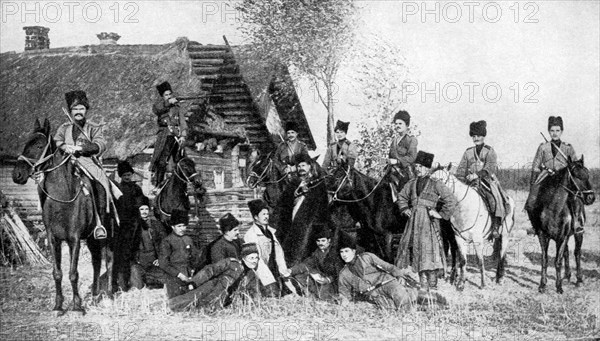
point(580, 177)
point(260, 170)
point(186, 171)
point(339, 181)
point(34, 154)
point(441, 173)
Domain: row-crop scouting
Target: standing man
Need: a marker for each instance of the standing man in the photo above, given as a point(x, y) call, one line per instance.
point(228, 245)
point(269, 248)
point(129, 229)
point(551, 157)
point(178, 255)
point(381, 283)
point(342, 151)
point(478, 168)
point(421, 244)
point(172, 132)
point(303, 204)
point(85, 141)
point(287, 151)
point(144, 268)
point(319, 272)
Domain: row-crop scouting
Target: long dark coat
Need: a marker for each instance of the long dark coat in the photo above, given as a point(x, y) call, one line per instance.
point(296, 234)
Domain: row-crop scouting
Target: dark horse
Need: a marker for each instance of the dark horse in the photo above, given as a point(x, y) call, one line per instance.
point(67, 210)
point(174, 192)
point(552, 219)
point(369, 201)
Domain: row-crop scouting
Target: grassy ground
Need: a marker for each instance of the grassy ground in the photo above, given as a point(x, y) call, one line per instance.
point(513, 310)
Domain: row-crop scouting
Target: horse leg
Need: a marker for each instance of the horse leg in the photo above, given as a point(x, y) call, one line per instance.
point(567, 275)
point(56, 246)
point(461, 263)
point(109, 259)
point(544, 241)
point(74, 248)
point(96, 253)
point(560, 250)
point(578, 242)
point(479, 251)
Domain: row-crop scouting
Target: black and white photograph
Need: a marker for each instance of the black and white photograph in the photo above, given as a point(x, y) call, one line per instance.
point(299, 170)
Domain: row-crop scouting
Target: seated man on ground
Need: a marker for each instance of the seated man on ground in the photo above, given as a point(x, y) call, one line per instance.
point(319, 272)
point(216, 285)
point(367, 276)
point(178, 255)
point(228, 245)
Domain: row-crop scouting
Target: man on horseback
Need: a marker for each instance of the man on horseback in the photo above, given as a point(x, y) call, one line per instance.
point(172, 132)
point(85, 141)
point(421, 244)
point(342, 151)
point(403, 151)
point(478, 168)
point(551, 157)
point(287, 151)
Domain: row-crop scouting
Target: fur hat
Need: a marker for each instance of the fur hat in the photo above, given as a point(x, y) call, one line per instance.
point(228, 223)
point(555, 121)
point(248, 249)
point(142, 201)
point(322, 231)
point(343, 126)
point(303, 157)
point(124, 167)
point(162, 87)
point(179, 217)
point(346, 241)
point(424, 159)
point(404, 116)
point(76, 97)
point(291, 125)
point(478, 128)
point(256, 206)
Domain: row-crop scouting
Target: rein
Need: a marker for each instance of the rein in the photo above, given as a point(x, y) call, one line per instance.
point(43, 160)
point(263, 175)
point(347, 177)
point(183, 177)
point(578, 193)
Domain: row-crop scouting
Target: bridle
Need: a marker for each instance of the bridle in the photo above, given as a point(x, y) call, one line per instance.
point(347, 178)
point(187, 179)
point(578, 193)
point(43, 160)
point(263, 175)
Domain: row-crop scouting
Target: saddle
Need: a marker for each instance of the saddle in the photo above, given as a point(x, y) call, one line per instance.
point(396, 176)
point(484, 188)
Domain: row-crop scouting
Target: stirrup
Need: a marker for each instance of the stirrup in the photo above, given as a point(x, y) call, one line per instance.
point(100, 232)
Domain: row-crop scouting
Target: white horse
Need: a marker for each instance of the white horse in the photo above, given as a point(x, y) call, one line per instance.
point(472, 223)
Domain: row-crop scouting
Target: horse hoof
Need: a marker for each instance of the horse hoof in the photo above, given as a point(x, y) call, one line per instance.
point(58, 312)
point(559, 290)
point(499, 281)
point(542, 290)
point(578, 283)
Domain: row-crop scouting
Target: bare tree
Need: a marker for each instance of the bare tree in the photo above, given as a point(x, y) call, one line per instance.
point(311, 37)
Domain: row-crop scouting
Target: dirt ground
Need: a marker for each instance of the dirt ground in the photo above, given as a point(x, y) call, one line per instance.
point(513, 310)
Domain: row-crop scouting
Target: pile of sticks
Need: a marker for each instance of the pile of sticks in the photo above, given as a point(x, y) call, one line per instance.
point(20, 239)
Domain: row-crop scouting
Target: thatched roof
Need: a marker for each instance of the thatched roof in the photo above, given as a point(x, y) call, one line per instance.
point(120, 83)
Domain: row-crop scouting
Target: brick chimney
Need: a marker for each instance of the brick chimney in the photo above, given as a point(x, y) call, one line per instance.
point(108, 38)
point(36, 38)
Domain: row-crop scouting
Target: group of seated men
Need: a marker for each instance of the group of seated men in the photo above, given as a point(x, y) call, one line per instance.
point(255, 266)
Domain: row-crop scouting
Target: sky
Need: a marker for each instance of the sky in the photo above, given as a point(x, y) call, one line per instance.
point(513, 63)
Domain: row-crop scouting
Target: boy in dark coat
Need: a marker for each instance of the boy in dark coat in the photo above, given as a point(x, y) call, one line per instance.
point(144, 267)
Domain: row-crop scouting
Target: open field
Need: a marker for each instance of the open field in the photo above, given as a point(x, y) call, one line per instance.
point(511, 311)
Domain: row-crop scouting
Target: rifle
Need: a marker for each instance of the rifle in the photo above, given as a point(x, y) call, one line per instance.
point(555, 146)
point(75, 124)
